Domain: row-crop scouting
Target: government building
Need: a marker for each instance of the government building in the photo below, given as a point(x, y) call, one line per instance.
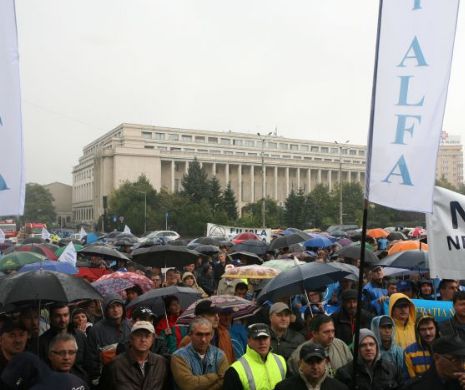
point(163, 154)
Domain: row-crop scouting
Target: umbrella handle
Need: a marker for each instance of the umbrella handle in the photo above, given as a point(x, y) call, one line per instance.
point(308, 302)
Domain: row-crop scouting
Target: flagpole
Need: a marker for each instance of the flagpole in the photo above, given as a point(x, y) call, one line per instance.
point(358, 315)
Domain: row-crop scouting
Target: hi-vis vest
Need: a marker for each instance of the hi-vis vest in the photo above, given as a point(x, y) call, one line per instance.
point(255, 374)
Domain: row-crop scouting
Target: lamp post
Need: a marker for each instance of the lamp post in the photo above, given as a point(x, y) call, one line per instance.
point(340, 179)
point(145, 210)
point(262, 138)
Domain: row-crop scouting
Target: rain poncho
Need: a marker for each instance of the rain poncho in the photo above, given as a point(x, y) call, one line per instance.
point(404, 334)
point(394, 353)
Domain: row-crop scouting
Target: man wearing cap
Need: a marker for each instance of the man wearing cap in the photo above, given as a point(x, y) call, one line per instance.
point(456, 324)
point(13, 339)
point(283, 339)
point(417, 356)
point(344, 319)
point(405, 287)
point(425, 289)
point(312, 372)
point(138, 368)
point(374, 292)
point(258, 368)
point(199, 365)
point(383, 328)
point(447, 371)
point(402, 311)
point(373, 372)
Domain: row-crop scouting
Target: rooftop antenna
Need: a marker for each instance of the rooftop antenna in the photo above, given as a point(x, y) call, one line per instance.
point(276, 131)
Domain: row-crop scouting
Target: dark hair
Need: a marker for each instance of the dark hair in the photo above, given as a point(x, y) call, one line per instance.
point(320, 320)
point(443, 283)
point(241, 286)
point(136, 289)
point(56, 306)
point(170, 298)
point(458, 296)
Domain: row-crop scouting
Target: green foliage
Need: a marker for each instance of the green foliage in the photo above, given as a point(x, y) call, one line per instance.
point(252, 214)
point(229, 203)
point(195, 183)
point(214, 195)
point(38, 206)
point(295, 210)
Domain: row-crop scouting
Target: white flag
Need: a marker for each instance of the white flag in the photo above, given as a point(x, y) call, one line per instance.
point(2, 236)
point(82, 233)
point(446, 235)
point(12, 187)
point(126, 229)
point(414, 59)
point(69, 255)
point(45, 234)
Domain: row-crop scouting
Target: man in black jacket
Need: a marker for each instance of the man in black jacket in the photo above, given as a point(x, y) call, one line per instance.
point(456, 324)
point(312, 372)
point(344, 319)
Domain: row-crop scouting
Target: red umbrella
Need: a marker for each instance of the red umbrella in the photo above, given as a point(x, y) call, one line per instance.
point(91, 274)
point(245, 237)
point(41, 249)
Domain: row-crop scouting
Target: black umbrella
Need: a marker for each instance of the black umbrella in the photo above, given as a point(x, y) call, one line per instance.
point(33, 240)
point(299, 279)
point(355, 251)
point(393, 236)
point(413, 259)
point(128, 237)
point(103, 251)
point(125, 241)
point(207, 249)
point(154, 298)
point(253, 246)
point(45, 286)
point(165, 256)
point(207, 241)
point(179, 242)
point(247, 258)
point(288, 240)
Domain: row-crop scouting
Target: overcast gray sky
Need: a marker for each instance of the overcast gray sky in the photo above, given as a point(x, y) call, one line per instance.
point(303, 66)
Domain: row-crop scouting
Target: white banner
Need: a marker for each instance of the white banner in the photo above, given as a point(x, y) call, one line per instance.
point(69, 255)
point(2, 236)
point(446, 235)
point(127, 230)
point(214, 230)
point(414, 58)
point(82, 233)
point(45, 235)
point(12, 188)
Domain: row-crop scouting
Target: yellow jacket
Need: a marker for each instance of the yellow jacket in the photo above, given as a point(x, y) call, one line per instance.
point(404, 333)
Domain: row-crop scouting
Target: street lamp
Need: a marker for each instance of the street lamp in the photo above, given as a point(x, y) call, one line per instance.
point(340, 179)
point(262, 138)
point(145, 210)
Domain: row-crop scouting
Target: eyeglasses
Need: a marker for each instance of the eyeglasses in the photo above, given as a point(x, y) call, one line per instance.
point(63, 353)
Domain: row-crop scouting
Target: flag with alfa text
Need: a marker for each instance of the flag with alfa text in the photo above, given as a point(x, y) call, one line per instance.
point(414, 55)
point(12, 187)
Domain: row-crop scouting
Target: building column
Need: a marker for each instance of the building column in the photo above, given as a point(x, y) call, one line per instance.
point(172, 175)
point(318, 179)
point(349, 176)
point(252, 183)
point(330, 178)
point(287, 182)
point(298, 179)
point(226, 173)
point(309, 180)
point(358, 177)
point(186, 167)
point(276, 183)
point(239, 184)
point(214, 169)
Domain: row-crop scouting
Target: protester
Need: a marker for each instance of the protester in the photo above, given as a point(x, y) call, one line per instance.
point(13, 339)
point(132, 293)
point(402, 311)
point(447, 289)
point(241, 289)
point(188, 280)
point(219, 266)
point(456, 324)
point(199, 365)
point(171, 278)
point(258, 368)
point(206, 279)
point(80, 320)
point(29, 318)
point(383, 329)
point(374, 372)
point(312, 372)
point(418, 356)
point(425, 289)
point(344, 319)
point(167, 328)
point(447, 371)
point(406, 287)
point(137, 368)
point(324, 334)
point(374, 292)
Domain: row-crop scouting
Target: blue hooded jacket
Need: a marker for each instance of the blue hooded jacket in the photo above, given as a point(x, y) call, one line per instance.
point(394, 353)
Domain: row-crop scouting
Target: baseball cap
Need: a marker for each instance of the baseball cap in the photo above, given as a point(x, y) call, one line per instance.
point(258, 330)
point(404, 285)
point(9, 325)
point(143, 312)
point(143, 325)
point(279, 307)
point(450, 345)
point(349, 294)
point(312, 350)
point(386, 321)
point(206, 307)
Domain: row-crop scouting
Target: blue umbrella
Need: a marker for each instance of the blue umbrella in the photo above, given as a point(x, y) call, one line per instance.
point(57, 266)
point(318, 242)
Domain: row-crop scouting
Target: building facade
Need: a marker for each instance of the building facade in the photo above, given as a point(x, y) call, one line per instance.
point(62, 195)
point(450, 159)
point(163, 154)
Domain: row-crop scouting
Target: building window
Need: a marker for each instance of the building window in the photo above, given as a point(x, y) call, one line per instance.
point(296, 157)
point(304, 148)
point(352, 152)
point(202, 151)
point(324, 150)
point(249, 143)
point(294, 147)
point(272, 145)
point(173, 137)
point(286, 156)
point(344, 151)
point(175, 149)
point(284, 146)
point(237, 142)
point(163, 148)
point(361, 153)
point(146, 135)
point(227, 152)
point(189, 150)
point(149, 147)
point(200, 140)
point(225, 141)
point(215, 151)
point(315, 149)
point(240, 154)
point(159, 136)
point(334, 150)
point(251, 154)
point(186, 138)
point(212, 140)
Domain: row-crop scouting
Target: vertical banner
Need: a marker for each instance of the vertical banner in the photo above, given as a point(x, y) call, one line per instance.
point(446, 235)
point(11, 139)
point(414, 54)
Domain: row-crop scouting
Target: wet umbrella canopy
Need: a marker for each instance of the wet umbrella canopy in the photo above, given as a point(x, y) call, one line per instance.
point(412, 259)
point(287, 240)
point(252, 246)
point(15, 260)
point(104, 252)
point(165, 256)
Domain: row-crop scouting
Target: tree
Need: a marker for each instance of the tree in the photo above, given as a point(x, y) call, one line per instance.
point(294, 214)
point(214, 195)
point(320, 207)
point(229, 204)
point(38, 206)
point(352, 203)
point(195, 183)
point(252, 214)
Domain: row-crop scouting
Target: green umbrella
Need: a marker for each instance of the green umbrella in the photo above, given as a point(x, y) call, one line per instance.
point(61, 249)
point(281, 265)
point(15, 260)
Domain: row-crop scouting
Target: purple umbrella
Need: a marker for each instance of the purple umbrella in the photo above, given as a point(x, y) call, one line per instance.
point(112, 286)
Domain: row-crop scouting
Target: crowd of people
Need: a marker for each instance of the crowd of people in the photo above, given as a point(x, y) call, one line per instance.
point(297, 342)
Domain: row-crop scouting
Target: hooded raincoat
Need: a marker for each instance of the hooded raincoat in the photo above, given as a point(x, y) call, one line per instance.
point(394, 353)
point(195, 286)
point(404, 334)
